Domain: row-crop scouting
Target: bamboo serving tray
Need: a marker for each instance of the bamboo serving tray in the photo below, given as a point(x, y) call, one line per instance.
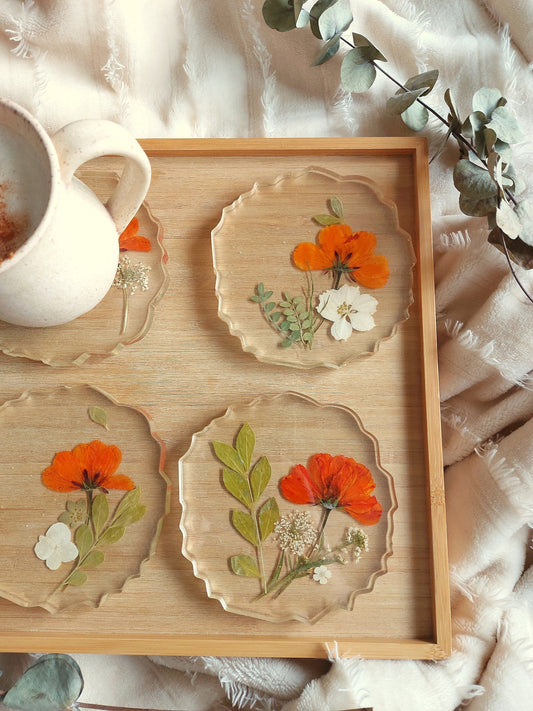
point(187, 369)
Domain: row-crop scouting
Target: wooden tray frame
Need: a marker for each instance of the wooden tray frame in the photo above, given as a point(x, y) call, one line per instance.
point(112, 628)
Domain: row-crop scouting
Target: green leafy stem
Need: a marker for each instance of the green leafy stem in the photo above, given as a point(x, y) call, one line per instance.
point(484, 174)
point(101, 529)
point(247, 484)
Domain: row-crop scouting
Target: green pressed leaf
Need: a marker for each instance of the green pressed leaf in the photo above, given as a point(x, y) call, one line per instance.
point(131, 498)
point(335, 19)
point(270, 306)
point(53, 683)
point(244, 524)
point(94, 559)
point(237, 485)
point(486, 100)
point(261, 288)
point(99, 512)
point(229, 456)
point(245, 443)
point(425, 80)
point(328, 50)
point(244, 565)
point(84, 539)
point(356, 77)
point(337, 208)
point(268, 517)
point(259, 477)
point(473, 181)
point(507, 220)
point(279, 15)
point(276, 316)
point(131, 515)
point(503, 122)
point(112, 535)
point(98, 415)
point(325, 220)
point(286, 343)
point(373, 53)
point(402, 100)
point(77, 579)
point(415, 117)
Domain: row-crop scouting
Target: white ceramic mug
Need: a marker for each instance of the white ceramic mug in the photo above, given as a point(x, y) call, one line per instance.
point(58, 243)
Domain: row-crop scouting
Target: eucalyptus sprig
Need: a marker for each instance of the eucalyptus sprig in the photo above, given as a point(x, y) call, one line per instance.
point(484, 173)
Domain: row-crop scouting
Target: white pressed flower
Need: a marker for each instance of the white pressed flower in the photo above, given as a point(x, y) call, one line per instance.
point(56, 546)
point(322, 574)
point(348, 309)
point(358, 542)
point(295, 532)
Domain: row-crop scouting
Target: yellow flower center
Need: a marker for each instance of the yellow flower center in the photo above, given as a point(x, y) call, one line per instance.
point(343, 309)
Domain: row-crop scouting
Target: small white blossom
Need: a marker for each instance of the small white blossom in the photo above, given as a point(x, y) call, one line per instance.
point(295, 532)
point(357, 539)
point(130, 276)
point(56, 547)
point(348, 309)
point(322, 574)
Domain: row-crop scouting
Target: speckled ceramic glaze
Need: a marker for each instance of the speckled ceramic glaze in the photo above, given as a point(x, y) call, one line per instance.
point(62, 242)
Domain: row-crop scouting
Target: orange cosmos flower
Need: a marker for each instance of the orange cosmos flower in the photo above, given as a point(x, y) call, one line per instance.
point(87, 466)
point(129, 239)
point(344, 252)
point(334, 482)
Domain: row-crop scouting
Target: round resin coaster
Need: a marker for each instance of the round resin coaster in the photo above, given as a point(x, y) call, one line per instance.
point(287, 513)
point(83, 496)
point(103, 331)
point(312, 269)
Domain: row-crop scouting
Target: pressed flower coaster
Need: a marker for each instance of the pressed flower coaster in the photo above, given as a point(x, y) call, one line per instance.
point(83, 496)
point(287, 513)
point(312, 269)
point(141, 280)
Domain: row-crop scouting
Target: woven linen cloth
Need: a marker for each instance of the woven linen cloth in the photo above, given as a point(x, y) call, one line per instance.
point(212, 68)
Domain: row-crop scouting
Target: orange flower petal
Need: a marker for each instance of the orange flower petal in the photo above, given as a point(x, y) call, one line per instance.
point(129, 239)
point(309, 256)
point(367, 513)
point(360, 247)
point(64, 473)
point(332, 240)
point(298, 488)
point(374, 273)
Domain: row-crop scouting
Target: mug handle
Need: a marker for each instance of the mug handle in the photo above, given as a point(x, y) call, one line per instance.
point(82, 140)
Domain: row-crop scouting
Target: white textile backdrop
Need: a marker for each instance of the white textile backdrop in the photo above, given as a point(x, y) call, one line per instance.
point(212, 68)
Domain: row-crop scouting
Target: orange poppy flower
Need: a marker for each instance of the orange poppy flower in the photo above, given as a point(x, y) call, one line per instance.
point(129, 239)
point(344, 252)
point(334, 482)
point(87, 466)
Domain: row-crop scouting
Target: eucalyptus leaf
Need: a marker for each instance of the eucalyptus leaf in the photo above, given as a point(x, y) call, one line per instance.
point(237, 485)
point(518, 251)
point(53, 683)
point(402, 100)
point(244, 565)
point(268, 517)
point(301, 16)
point(77, 579)
point(525, 213)
point(317, 10)
point(449, 102)
point(244, 524)
point(112, 535)
point(279, 15)
point(328, 50)
point(98, 415)
point(362, 41)
point(473, 181)
point(486, 100)
point(99, 512)
point(84, 539)
point(356, 77)
point(415, 117)
point(425, 80)
point(335, 19)
point(477, 207)
point(245, 443)
point(259, 477)
point(504, 124)
point(507, 220)
point(229, 456)
point(94, 559)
